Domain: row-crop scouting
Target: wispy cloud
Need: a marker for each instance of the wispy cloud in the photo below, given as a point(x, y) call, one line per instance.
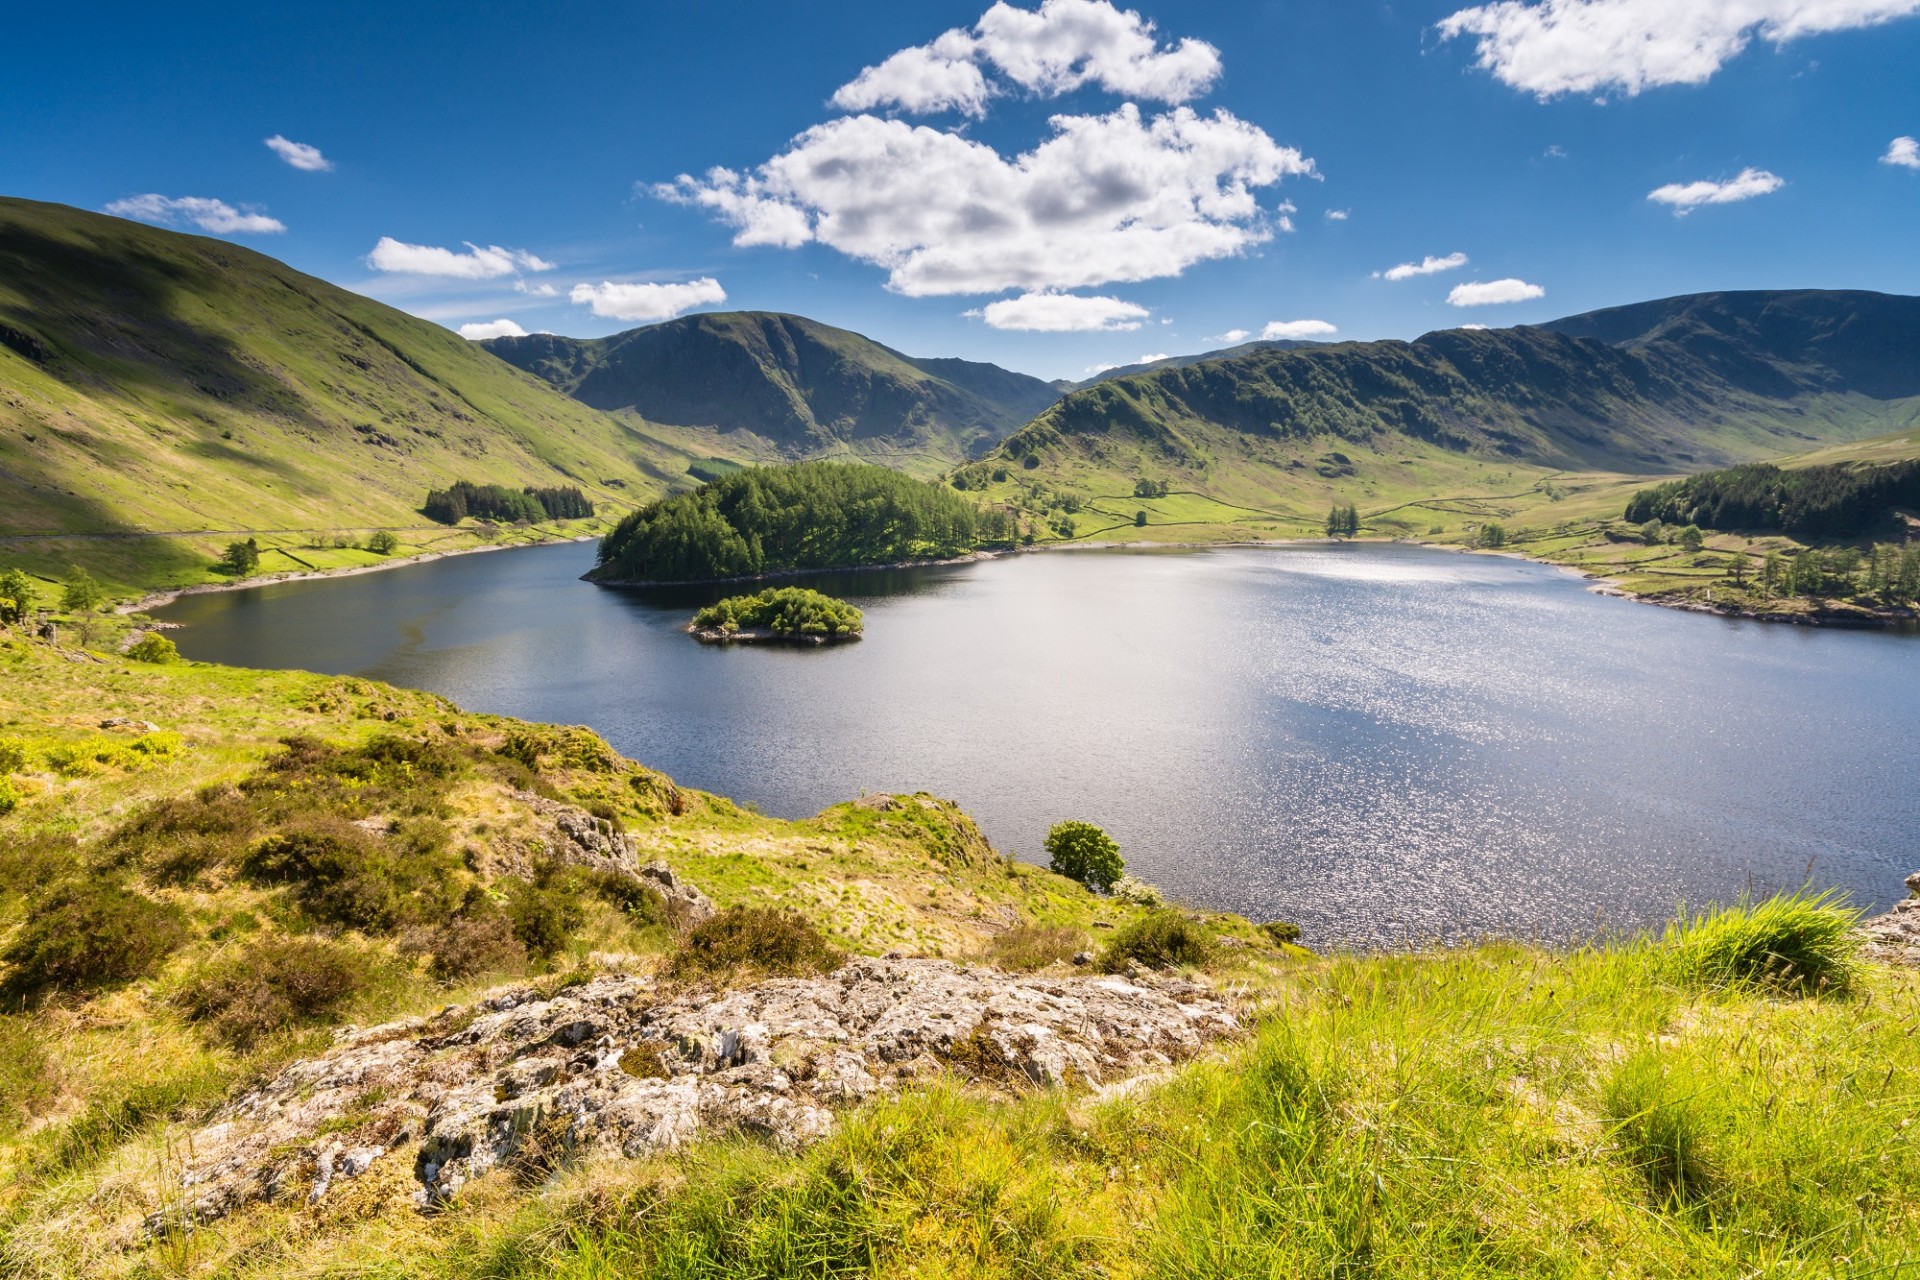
point(1233, 337)
point(1428, 266)
point(1493, 292)
point(478, 263)
point(501, 328)
point(299, 154)
point(1625, 46)
point(216, 216)
point(1904, 152)
point(1062, 313)
point(1338, 215)
point(1297, 329)
point(1688, 196)
point(648, 302)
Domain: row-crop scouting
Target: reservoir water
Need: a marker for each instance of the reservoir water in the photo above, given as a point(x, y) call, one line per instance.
point(1384, 743)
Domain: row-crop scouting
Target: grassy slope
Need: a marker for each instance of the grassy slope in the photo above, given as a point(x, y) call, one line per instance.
point(158, 383)
point(762, 386)
point(1494, 1110)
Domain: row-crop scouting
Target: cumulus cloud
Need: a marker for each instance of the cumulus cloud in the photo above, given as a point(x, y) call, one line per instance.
point(1150, 357)
point(1473, 326)
point(648, 302)
point(1062, 313)
point(477, 263)
point(1062, 46)
point(1427, 266)
point(216, 216)
point(1234, 336)
point(1113, 197)
point(1338, 215)
point(299, 154)
point(1904, 152)
point(501, 328)
point(1492, 292)
point(1688, 196)
point(1297, 329)
point(1599, 46)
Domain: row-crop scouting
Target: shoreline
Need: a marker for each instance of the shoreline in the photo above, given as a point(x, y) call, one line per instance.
point(166, 596)
point(775, 574)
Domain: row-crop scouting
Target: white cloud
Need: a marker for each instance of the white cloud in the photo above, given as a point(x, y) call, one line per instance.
point(1338, 215)
point(502, 328)
point(299, 154)
point(1475, 327)
point(1234, 336)
point(1427, 266)
point(1151, 357)
point(1062, 313)
point(1553, 152)
point(1062, 46)
point(1597, 46)
point(1093, 369)
point(1106, 198)
point(1904, 152)
point(1687, 196)
point(477, 263)
point(648, 302)
point(540, 289)
point(1492, 292)
point(1297, 329)
point(216, 216)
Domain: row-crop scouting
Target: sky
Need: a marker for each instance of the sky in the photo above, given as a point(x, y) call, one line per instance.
point(1051, 185)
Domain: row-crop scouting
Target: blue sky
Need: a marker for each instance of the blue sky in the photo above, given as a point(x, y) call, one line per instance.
point(1176, 157)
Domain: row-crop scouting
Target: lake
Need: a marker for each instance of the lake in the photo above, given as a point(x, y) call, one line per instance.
point(1384, 743)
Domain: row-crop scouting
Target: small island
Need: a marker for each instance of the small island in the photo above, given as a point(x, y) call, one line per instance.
point(779, 615)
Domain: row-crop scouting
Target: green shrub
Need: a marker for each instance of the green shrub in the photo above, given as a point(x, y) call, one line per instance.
point(1081, 851)
point(13, 756)
point(1800, 942)
point(86, 933)
point(1281, 931)
point(272, 986)
point(754, 941)
point(1033, 946)
point(10, 796)
point(1159, 941)
point(479, 939)
point(177, 838)
point(339, 874)
point(545, 911)
point(155, 648)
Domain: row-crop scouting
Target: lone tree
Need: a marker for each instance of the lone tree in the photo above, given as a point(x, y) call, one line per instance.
point(82, 593)
point(16, 596)
point(1081, 851)
point(241, 558)
point(382, 542)
point(1691, 539)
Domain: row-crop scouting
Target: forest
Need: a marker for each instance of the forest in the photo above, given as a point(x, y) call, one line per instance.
point(505, 506)
point(808, 515)
point(1839, 501)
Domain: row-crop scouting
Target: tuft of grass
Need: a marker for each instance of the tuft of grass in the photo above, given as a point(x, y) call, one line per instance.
point(1801, 942)
point(1164, 940)
point(1659, 1130)
point(754, 942)
point(1026, 947)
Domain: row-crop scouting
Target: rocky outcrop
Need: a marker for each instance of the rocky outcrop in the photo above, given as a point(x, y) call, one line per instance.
point(618, 1065)
point(1895, 936)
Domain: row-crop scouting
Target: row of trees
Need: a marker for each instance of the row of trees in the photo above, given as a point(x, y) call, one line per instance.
point(1838, 501)
point(808, 515)
point(505, 506)
point(19, 595)
point(1884, 575)
point(1343, 522)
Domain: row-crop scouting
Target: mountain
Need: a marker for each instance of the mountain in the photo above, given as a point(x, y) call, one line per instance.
point(154, 382)
point(1182, 362)
point(765, 385)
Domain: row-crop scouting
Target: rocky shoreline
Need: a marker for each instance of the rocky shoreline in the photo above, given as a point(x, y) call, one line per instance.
point(764, 635)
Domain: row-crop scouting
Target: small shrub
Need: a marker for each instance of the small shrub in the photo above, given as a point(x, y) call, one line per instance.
point(155, 648)
point(1033, 946)
point(10, 797)
point(756, 941)
point(339, 874)
point(1081, 851)
point(1159, 941)
point(480, 938)
point(273, 986)
point(1800, 942)
point(90, 933)
point(13, 756)
point(1138, 892)
point(1282, 932)
point(178, 838)
point(544, 912)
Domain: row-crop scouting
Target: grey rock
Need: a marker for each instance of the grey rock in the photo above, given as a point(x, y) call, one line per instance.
point(612, 1065)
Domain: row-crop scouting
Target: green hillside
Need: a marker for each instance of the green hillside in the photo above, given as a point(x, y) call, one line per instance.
point(1420, 434)
point(153, 383)
point(763, 386)
point(1182, 362)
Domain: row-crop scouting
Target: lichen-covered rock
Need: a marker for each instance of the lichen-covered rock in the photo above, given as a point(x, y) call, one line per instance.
point(686, 905)
point(1895, 936)
point(612, 1065)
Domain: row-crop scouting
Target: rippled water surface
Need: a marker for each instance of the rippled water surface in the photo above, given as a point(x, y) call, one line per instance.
point(1380, 742)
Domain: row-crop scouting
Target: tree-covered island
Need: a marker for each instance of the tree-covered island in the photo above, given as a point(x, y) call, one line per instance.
point(809, 515)
point(791, 615)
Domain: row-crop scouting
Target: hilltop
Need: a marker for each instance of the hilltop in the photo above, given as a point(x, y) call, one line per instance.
point(185, 389)
point(765, 386)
